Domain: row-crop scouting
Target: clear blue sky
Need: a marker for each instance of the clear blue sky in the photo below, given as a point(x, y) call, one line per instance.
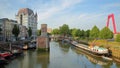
point(83, 14)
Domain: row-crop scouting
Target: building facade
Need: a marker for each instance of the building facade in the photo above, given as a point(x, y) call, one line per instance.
point(1, 29)
point(23, 32)
point(28, 18)
point(49, 30)
point(6, 25)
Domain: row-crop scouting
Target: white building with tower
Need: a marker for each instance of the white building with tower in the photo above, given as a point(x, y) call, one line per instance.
point(28, 18)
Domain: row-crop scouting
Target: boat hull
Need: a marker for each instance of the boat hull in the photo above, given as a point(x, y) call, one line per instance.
point(86, 48)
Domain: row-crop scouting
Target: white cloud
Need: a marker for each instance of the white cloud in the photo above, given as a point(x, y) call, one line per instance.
point(6, 10)
point(23, 1)
point(82, 15)
point(117, 20)
point(87, 21)
point(82, 21)
point(47, 11)
point(63, 4)
point(111, 5)
point(68, 3)
point(86, 17)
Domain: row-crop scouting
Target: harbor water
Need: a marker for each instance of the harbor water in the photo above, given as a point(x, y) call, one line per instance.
point(60, 56)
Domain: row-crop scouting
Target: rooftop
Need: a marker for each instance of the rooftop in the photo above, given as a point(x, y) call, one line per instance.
point(25, 11)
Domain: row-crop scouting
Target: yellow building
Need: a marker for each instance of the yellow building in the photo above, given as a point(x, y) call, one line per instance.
point(49, 30)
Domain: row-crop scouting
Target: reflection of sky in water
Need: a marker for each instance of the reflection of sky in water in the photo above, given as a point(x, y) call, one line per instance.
point(60, 56)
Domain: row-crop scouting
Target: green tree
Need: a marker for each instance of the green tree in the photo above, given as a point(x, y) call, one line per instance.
point(64, 30)
point(117, 39)
point(70, 32)
point(38, 32)
point(78, 33)
point(30, 32)
point(15, 31)
point(82, 34)
point(74, 32)
point(94, 33)
point(0, 30)
point(55, 31)
point(87, 33)
point(105, 33)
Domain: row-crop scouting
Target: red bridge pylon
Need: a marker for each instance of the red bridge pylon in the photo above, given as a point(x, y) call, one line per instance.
point(113, 23)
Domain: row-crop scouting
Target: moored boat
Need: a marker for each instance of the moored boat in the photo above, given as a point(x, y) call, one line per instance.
point(5, 54)
point(25, 47)
point(99, 50)
point(94, 49)
point(32, 45)
point(107, 58)
point(3, 61)
point(17, 52)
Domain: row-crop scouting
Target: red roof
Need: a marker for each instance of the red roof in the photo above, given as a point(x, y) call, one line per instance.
point(25, 11)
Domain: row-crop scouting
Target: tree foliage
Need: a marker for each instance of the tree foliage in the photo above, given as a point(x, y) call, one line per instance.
point(117, 39)
point(15, 31)
point(64, 30)
point(74, 32)
point(30, 32)
point(87, 33)
point(94, 33)
point(38, 32)
point(105, 33)
point(55, 31)
point(70, 32)
point(0, 30)
point(80, 33)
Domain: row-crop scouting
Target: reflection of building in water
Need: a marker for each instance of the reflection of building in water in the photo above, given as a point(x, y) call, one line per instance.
point(29, 60)
point(43, 59)
point(32, 59)
point(25, 61)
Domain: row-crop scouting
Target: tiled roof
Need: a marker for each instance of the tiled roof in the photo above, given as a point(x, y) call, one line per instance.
point(25, 11)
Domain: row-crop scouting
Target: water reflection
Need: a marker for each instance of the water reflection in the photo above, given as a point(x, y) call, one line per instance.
point(64, 47)
point(95, 60)
point(60, 56)
point(31, 59)
point(43, 59)
point(2, 66)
